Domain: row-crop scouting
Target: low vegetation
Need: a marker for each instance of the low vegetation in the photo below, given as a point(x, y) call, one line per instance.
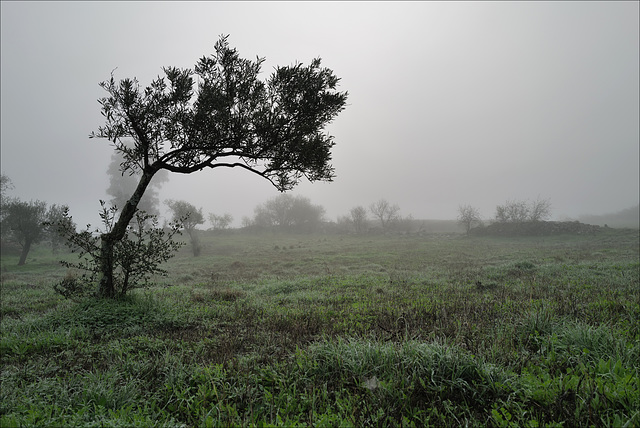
point(535, 228)
point(335, 330)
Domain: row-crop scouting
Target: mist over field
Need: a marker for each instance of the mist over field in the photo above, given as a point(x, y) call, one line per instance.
point(629, 217)
point(466, 254)
point(450, 103)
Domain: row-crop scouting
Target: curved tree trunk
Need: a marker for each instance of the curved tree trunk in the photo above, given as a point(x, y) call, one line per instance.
point(25, 251)
point(107, 288)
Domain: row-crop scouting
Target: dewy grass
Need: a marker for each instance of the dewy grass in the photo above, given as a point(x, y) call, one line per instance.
point(336, 331)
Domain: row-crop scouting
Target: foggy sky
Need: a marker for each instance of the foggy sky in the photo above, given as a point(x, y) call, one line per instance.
point(449, 103)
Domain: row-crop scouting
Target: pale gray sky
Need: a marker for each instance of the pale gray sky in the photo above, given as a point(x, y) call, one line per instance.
point(450, 102)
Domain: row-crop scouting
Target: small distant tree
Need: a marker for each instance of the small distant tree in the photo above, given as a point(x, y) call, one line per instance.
point(220, 222)
point(24, 224)
point(275, 212)
point(358, 217)
point(306, 217)
point(246, 222)
point(344, 224)
point(122, 186)
point(385, 212)
point(54, 219)
point(287, 212)
point(219, 114)
point(188, 216)
point(512, 212)
point(540, 209)
point(5, 186)
point(405, 224)
point(468, 217)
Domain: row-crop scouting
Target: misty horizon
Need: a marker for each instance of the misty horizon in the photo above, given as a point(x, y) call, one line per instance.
point(449, 103)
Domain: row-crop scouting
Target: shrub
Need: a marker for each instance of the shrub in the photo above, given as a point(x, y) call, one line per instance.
point(136, 257)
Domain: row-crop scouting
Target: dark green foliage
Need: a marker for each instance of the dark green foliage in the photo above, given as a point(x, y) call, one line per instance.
point(277, 123)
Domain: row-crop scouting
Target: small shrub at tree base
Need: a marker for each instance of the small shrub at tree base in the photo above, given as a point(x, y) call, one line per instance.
point(135, 258)
point(70, 287)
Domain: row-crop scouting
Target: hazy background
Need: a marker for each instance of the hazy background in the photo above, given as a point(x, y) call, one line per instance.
point(450, 103)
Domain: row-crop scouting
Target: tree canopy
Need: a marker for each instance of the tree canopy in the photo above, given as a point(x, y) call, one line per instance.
point(358, 217)
point(189, 217)
point(522, 211)
point(226, 117)
point(23, 221)
point(385, 212)
point(468, 216)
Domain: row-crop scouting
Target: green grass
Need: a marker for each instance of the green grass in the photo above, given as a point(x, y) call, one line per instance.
point(336, 330)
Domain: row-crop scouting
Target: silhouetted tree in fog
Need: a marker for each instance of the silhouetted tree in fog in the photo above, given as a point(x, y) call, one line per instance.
point(521, 211)
point(5, 186)
point(468, 217)
point(220, 114)
point(23, 222)
point(54, 219)
point(189, 217)
point(359, 219)
point(385, 212)
point(540, 209)
point(288, 212)
point(122, 186)
point(220, 222)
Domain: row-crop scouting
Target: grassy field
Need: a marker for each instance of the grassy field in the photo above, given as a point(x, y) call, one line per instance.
point(336, 330)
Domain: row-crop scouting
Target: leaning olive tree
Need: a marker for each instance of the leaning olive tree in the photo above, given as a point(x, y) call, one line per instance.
point(218, 115)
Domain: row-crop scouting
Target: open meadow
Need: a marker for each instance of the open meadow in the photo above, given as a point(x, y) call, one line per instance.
point(267, 329)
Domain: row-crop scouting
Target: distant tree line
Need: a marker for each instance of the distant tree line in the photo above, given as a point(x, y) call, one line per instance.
point(385, 218)
point(287, 213)
point(511, 212)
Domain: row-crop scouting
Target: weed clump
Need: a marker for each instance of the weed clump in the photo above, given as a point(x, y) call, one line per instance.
point(71, 287)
